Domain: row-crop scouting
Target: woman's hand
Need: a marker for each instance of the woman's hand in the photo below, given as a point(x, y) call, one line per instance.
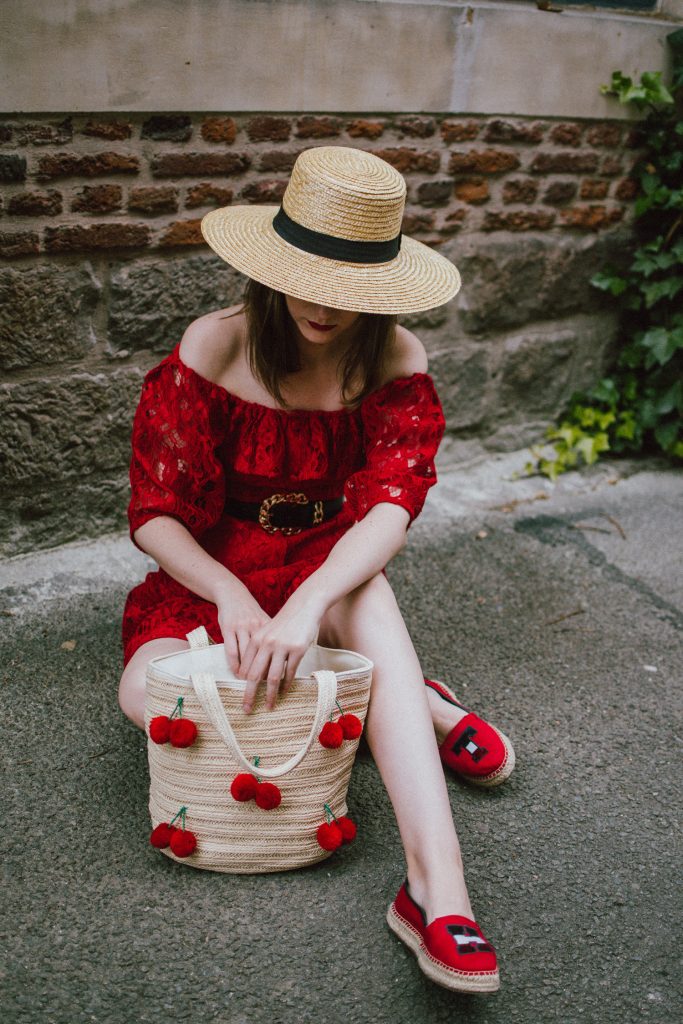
point(239, 617)
point(276, 647)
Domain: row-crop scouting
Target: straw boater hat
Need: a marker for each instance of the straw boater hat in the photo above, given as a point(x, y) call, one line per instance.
point(336, 238)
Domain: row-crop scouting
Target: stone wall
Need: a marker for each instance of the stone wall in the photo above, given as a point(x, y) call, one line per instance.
point(103, 266)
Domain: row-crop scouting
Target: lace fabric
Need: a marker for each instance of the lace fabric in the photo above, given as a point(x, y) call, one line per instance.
point(193, 443)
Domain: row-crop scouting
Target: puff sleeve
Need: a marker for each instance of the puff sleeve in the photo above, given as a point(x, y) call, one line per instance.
point(403, 423)
point(175, 470)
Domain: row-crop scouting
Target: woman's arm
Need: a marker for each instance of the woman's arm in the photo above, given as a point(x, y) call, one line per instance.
point(174, 548)
point(358, 555)
point(275, 650)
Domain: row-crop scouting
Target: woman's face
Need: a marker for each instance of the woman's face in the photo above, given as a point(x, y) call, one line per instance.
point(311, 318)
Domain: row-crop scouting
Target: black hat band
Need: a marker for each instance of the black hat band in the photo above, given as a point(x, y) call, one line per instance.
point(344, 249)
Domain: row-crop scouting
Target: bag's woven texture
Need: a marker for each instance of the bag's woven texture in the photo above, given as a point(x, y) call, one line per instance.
point(240, 837)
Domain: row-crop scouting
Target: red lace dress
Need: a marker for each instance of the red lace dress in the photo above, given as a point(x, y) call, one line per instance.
point(194, 443)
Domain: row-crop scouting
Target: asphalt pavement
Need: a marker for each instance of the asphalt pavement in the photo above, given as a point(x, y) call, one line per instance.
point(556, 610)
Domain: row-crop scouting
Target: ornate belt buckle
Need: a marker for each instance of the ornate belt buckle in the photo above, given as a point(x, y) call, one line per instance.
point(293, 497)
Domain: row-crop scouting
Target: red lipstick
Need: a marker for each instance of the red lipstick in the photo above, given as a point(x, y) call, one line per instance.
point(321, 327)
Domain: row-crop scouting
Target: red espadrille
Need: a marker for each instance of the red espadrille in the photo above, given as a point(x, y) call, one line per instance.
point(452, 950)
point(474, 749)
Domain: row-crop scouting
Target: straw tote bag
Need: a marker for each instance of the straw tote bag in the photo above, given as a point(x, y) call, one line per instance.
point(193, 784)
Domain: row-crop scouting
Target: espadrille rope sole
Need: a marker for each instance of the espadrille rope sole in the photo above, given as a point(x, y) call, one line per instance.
point(501, 773)
point(458, 981)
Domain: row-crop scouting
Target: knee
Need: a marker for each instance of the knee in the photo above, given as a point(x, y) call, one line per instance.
point(373, 595)
point(372, 600)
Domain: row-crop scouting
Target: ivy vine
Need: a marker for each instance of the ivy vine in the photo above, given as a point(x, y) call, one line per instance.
point(638, 407)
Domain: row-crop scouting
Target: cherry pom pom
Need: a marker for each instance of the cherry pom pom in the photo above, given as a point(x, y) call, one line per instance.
point(351, 726)
point(183, 732)
point(183, 843)
point(159, 729)
point(348, 829)
point(331, 735)
point(268, 796)
point(330, 836)
point(161, 835)
point(243, 786)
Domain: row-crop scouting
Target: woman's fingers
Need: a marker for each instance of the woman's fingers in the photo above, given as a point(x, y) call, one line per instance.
point(232, 654)
point(275, 674)
point(258, 667)
point(249, 696)
point(243, 638)
point(293, 661)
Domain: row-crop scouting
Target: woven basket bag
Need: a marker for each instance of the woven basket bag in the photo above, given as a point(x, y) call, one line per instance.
point(238, 836)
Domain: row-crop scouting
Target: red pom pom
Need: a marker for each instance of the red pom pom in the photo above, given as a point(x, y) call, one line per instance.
point(331, 735)
point(244, 786)
point(351, 726)
point(161, 835)
point(159, 728)
point(182, 733)
point(330, 836)
point(183, 843)
point(348, 829)
point(267, 796)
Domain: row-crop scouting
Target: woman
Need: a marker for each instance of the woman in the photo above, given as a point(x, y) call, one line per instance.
point(312, 389)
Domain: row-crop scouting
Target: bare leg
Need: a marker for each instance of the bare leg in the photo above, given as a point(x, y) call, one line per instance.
point(444, 716)
point(401, 737)
point(132, 685)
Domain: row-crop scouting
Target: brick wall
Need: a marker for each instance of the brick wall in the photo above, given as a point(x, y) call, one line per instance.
point(103, 265)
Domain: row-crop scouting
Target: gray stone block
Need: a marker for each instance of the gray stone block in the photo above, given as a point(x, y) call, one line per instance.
point(507, 282)
point(66, 512)
point(536, 370)
point(510, 437)
point(67, 429)
point(460, 375)
point(540, 368)
point(151, 303)
point(427, 319)
point(46, 314)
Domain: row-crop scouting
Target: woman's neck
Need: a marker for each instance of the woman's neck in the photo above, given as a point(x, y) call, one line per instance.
point(321, 356)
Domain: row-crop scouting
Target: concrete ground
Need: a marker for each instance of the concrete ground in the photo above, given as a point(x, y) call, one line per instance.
point(556, 610)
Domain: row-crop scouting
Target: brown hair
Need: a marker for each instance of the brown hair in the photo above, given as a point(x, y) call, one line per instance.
point(273, 351)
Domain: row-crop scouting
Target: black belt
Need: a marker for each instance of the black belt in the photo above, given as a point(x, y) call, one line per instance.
point(289, 513)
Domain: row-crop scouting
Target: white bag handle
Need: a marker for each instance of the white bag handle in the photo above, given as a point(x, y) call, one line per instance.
point(205, 687)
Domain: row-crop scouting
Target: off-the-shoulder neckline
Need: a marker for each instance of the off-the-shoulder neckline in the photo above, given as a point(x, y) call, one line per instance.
point(175, 355)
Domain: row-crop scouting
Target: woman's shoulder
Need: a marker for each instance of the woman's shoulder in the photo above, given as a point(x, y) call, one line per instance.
point(212, 343)
point(406, 357)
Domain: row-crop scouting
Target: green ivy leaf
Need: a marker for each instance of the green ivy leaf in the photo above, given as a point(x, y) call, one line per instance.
point(671, 399)
point(590, 447)
point(605, 391)
point(661, 345)
point(666, 434)
point(627, 426)
point(655, 89)
point(665, 289)
point(649, 183)
point(607, 282)
point(646, 263)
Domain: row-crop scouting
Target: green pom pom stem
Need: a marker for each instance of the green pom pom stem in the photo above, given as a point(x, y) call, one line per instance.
point(180, 814)
point(178, 709)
